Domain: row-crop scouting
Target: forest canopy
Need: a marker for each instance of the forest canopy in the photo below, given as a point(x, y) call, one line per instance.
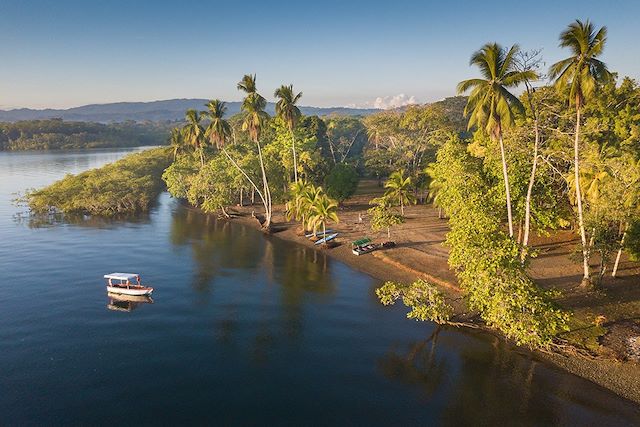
point(56, 134)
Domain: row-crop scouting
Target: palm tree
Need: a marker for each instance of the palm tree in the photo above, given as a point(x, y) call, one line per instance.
point(581, 72)
point(303, 196)
point(490, 105)
point(399, 189)
point(194, 132)
point(254, 121)
point(436, 186)
point(176, 141)
point(219, 133)
point(287, 110)
point(323, 210)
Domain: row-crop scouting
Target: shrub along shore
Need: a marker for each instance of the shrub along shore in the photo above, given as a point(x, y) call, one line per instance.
point(128, 186)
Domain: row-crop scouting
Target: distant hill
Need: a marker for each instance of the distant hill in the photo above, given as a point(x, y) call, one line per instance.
point(156, 111)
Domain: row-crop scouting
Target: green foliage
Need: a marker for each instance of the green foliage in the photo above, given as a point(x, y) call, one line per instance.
point(55, 134)
point(486, 259)
point(399, 191)
point(322, 211)
point(632, 240)
point(129, 185)
point(424, 299)
point(342, 181)
point(382, 217)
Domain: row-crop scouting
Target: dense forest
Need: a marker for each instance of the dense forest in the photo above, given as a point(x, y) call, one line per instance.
point(56, 134)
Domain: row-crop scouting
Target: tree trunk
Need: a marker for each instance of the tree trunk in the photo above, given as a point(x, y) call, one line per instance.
point(267, 192)
point(615, 265)
point(388, 232)
point(201, 157)
point(527, 206)
point(507, 189)
point(439, 213)
point(401, 206)
point(241, 201)
point(254, 187)
point(586, 279)
point(224, 212)
point(295, 159)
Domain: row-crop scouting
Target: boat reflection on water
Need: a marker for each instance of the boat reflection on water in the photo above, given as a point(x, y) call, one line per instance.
point(128, 303)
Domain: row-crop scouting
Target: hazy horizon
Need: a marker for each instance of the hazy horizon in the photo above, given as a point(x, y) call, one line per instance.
point(359, 55)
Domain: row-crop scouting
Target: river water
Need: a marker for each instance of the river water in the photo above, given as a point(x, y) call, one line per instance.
point(243, 329)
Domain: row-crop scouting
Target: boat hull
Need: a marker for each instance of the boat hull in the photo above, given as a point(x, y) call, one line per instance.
point(133, 291)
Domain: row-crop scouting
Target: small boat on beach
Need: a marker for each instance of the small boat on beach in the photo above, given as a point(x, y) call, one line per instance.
point(326, 239)
point(318, 234)
point(126, 284)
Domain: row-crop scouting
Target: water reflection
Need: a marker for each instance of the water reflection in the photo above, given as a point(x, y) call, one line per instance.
point(128, 303)
point(52, 219)
point(215, 245)
point(419, 366)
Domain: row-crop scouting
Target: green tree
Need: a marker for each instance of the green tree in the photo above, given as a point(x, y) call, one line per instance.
point(219, 132)
point(194, 132)
point(382, 217)
point(176, 141)
point(323, 210)
point(399, 190)
point(253, 123)
point(491, 106)
point(287, 110)
point(582, 72)
point(342, 181)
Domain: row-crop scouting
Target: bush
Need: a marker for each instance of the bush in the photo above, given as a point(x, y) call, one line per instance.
point(129, 185)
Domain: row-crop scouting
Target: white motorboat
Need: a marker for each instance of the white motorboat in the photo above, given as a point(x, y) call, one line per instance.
point(126, 284)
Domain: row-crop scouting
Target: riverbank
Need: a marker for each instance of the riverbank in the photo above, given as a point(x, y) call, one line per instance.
point(597, 352)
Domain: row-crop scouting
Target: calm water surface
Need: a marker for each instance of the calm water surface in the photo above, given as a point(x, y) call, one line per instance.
point(243, 329)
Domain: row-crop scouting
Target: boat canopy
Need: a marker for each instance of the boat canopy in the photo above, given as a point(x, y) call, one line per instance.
point(121, 276)
point(361, 242)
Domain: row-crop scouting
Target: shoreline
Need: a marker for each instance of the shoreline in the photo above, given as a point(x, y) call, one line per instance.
point(621, 378)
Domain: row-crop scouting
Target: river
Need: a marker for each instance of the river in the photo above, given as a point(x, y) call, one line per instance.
point(243, 329)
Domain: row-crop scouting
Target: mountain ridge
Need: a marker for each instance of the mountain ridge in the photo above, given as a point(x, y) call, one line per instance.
point(162, 110)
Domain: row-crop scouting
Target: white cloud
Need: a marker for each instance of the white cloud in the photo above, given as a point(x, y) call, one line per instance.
point(387, 102)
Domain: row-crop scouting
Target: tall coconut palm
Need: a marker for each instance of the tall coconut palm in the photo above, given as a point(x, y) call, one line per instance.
point(255, 117)
point(194, 132)
point(176, 141)
point(287, 110)
point(582, 72)
point(490, 105)
point(323, 210)
point(219, 132)
point(399, 189)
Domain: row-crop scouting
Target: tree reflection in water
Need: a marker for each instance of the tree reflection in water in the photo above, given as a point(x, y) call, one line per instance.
point(290, 272)
point(482, 380)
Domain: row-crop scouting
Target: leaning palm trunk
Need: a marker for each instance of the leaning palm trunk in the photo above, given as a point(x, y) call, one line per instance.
point(507, 188)
point(267, 192)
point(532, 178)
point(253, 185)
point(583, 235)
point(615, 265)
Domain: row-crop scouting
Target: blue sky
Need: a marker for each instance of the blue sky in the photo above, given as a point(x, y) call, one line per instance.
point(66, 53)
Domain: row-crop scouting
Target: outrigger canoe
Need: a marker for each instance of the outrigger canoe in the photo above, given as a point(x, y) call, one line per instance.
point(126, 284)
point(318, 234)
point(326, 239)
